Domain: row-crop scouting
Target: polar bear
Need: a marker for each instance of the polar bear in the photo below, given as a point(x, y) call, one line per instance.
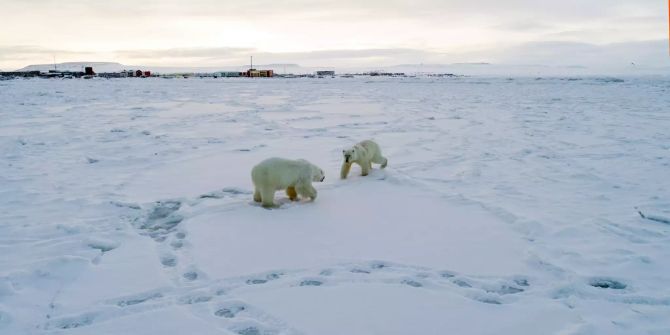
point(364, 154)
point(294, 176)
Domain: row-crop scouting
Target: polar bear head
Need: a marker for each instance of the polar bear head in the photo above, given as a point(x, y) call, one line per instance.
point(353, 154)
point(317, 173)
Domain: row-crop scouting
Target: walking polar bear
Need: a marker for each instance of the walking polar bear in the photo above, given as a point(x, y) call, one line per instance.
point(364, 154)
point(294, 176)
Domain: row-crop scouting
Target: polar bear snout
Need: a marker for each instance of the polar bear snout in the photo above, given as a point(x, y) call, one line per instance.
point(348, 155)
point(318, 175)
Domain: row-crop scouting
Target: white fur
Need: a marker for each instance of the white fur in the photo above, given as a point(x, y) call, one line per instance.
point(294, 176)
point(364, 154)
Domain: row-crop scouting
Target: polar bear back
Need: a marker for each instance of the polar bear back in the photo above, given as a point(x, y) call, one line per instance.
point(280, 173)
point(371, 150)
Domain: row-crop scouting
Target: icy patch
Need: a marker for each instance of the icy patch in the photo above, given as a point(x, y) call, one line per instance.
point(103, 245)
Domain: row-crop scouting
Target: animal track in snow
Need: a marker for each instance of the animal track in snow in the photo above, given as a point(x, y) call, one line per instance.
point(138, 299)
point(161, 220)
point(169, 261)
point(412, 283)
point(194, 299)
point(311, 282)
point(177, 244)
point(227, 191)
point(72, 322)
point(214, 300)
point(269, 277)
point(230, 311)
point(505, 289)
point(461, 283)
point(607, 283)
point(488, 301)
point(191, 275)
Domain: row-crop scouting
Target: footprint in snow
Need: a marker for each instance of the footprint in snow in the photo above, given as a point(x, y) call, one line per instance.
point(412, 283)
point(169, 261)
point(607, 283)
point(263, 280)
point(194, 299)
point(311, 282)
point(190, 276)
point(230, 311)
point(138, 299)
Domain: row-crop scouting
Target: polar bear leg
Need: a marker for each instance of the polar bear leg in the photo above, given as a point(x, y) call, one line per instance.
point(257, 195)
point(344, 172)
point(379, 159)
point(306, 190)
point(292, 194)
point(365, 168)
point(267, 197)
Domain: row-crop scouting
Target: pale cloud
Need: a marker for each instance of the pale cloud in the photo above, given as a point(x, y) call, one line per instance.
point(342, 32)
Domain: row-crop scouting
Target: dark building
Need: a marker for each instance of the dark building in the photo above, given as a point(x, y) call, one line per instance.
point(112, 75)
point(89, 71)
point(24, 74)
point(230, 74)
point(325, 73)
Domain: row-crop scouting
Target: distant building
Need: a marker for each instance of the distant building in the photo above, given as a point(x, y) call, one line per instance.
point(89, 71)
point(325, 73)
point(258, 73)
point(113, 74)
point(147, 73)
point(230, 74)
point(24, 74)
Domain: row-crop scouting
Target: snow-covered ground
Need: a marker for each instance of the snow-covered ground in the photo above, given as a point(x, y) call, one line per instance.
point(509, 206)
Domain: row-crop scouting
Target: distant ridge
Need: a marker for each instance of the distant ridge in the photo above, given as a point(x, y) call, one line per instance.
point(117, 67)
point(441, 65)
point(76, 66)
point(465, 68)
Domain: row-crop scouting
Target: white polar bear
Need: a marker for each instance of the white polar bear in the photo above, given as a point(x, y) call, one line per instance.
point(294, 176)
point(364, 154)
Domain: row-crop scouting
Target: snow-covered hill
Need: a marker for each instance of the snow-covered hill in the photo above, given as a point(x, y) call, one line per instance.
point(76, 66)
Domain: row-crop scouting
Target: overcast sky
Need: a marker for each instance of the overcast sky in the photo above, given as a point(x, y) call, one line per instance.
point(343, 33)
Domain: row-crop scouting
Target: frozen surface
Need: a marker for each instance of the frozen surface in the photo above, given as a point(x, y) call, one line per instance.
point(510, 205)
